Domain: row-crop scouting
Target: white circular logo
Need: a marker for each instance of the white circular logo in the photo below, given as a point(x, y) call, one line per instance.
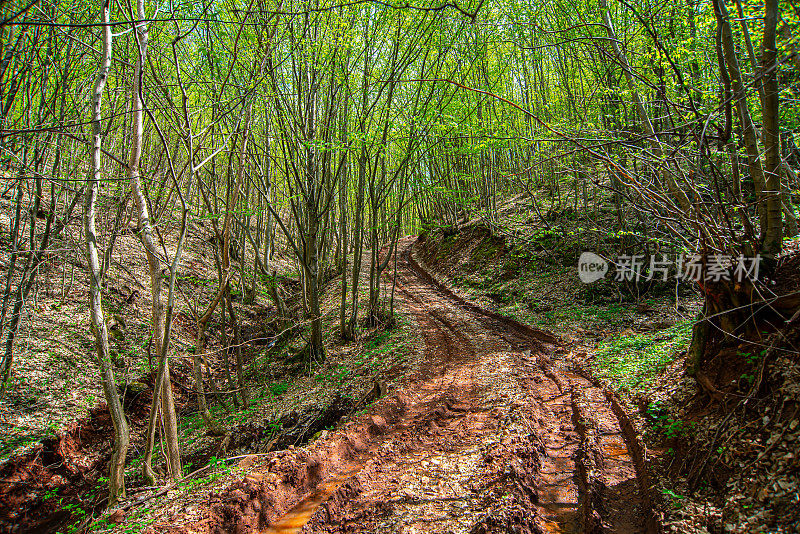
point(591, 267)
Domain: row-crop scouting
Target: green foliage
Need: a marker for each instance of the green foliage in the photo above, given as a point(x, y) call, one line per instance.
point(215, 463)
point(196, 280)
point(76, 514)
point(675, 499)
point(278, 388)
point(337, 374)
point(486, 250)
point(632, 361)
point(217, 468)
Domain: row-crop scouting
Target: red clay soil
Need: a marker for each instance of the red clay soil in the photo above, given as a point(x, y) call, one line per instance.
point(36, 488)
point(490, 436)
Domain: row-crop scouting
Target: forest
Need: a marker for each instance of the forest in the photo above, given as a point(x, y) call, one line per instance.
point(453, 266)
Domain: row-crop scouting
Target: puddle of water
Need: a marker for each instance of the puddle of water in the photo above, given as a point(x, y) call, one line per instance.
point(296, 518)
point(559, 504)
point(563, 519)
point(615, 451)
point(615, 447)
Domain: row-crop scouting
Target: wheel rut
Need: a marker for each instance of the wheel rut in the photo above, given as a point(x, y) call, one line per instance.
point(488, 436)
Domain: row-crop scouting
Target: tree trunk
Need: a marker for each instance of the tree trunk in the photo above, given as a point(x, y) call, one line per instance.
point(167, 402)
point(237, 340)
point(116, 470)
point(773, 237)
point(344, 242)
point(358, 247)
point(740, 97)
point(674, 188)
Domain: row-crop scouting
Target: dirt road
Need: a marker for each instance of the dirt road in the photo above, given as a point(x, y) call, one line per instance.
point(491, 436)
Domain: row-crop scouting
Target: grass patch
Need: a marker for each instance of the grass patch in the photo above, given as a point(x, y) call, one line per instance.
point(632, 362)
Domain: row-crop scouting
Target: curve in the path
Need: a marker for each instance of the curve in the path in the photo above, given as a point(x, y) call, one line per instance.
point(489, 437)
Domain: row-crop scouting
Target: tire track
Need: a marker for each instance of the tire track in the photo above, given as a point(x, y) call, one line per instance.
point(488, 437)
point(609, 462)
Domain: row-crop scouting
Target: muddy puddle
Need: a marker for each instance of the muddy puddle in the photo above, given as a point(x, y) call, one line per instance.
point(296, 518)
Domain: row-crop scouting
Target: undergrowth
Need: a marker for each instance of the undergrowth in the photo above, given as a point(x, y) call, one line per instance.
point(632, 362)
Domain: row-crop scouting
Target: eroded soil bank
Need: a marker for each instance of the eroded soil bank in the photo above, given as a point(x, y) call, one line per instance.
point(41, 489)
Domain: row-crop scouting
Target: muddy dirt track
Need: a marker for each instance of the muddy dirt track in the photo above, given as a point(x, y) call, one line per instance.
point(490, 436)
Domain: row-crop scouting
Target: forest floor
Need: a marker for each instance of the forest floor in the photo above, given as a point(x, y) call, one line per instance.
point(721, 454)
point(484, 424)
point(493, 432)
point(54, 382)
point(55, 435)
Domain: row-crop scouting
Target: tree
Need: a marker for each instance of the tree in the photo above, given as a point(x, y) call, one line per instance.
point(116, 476)
point(162, 393)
